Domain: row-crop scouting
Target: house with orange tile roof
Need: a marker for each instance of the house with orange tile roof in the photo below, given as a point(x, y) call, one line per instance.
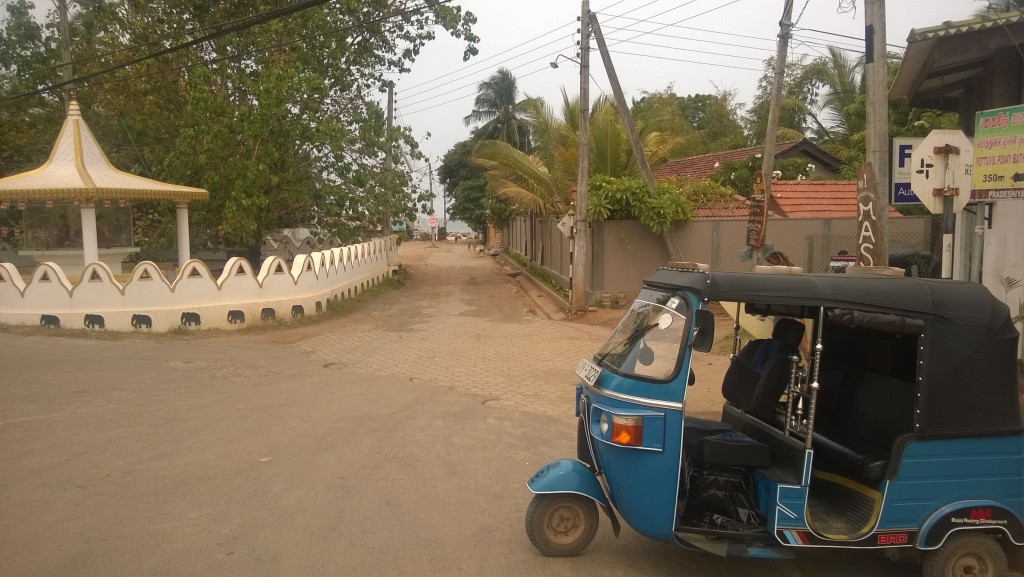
point(704, 165)
point(794, 199)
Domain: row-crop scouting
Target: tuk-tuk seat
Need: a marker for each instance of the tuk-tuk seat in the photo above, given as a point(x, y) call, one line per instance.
point(758, 375)
point(754, 382)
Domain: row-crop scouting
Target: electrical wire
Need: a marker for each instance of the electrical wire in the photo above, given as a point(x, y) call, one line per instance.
point(207, 62)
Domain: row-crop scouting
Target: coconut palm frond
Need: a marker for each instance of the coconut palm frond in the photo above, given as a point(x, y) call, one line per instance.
point(517, 175)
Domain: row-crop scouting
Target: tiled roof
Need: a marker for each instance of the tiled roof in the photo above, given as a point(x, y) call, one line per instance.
point(733, 207)
point(816, 199)
point(704, 165)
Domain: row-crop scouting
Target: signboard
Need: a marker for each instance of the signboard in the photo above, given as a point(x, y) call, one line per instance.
point(942, 165)
point(869, 239)
point(565, 225)
point(432, 221)
point(757, 221)
point(902, 148)
point(999, 154)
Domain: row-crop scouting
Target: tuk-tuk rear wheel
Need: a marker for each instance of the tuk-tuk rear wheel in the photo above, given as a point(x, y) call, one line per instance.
point(970, 554)
point(561, 524)
point(1014, 555)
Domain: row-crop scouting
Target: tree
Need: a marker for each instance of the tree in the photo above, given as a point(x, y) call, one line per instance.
point(705, 122)
point(998, 6)
point(543, 182)
point(498, 107)
point(279, 122)
point(738, 175)
point(465, 185)
point(797, 96)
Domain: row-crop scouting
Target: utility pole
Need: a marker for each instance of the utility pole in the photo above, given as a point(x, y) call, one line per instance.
point(630, 126)
point(775, 107)
point(65, 52)
point(581, 231)
point(430, 180)
point(876, 64)
point(388, 163)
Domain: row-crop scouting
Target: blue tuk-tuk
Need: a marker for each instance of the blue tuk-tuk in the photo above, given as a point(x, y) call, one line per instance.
point(902, 431)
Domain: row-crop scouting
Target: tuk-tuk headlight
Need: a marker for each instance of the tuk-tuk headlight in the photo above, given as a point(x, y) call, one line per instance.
point(627, 431)
point(603, 424)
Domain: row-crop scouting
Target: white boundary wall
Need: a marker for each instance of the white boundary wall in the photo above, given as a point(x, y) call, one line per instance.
point(147, 300)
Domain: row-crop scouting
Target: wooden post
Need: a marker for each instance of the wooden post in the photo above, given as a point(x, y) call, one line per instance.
point(634, 139)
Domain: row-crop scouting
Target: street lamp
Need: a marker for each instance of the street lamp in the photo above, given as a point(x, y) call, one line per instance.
point(554, 63)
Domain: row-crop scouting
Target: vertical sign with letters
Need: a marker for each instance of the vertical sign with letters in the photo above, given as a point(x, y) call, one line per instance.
point(869, 231)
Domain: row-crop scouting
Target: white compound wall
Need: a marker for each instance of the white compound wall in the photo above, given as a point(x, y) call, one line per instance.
point(238, 298)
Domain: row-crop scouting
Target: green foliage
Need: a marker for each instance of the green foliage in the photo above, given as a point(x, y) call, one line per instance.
point(738, 175)
point(704, 122)
point(280, 122)
point(627, 198)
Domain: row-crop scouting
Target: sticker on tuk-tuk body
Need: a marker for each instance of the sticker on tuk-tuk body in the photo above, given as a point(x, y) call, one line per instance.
point(588, 371)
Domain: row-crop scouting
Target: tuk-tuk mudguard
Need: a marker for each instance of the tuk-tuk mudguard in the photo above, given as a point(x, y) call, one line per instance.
point(567, 476)
point(967, 515)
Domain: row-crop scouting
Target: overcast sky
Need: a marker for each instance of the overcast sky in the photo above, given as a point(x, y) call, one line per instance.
point(693, 45)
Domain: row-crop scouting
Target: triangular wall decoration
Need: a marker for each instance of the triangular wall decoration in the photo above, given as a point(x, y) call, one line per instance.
point(194, 273)
point(240, 271)
point(145, 275)
point(95, 276)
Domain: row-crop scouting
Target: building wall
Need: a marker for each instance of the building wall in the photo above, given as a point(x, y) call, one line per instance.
point(311, 284)
point(625, 252)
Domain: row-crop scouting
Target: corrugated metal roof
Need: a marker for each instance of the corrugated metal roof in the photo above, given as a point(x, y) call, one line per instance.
point(980, 22)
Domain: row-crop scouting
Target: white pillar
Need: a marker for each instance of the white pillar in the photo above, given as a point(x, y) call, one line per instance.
point(184, 250)
point(90, 248)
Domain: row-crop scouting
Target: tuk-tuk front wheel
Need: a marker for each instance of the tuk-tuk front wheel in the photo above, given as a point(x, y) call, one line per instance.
point(561, 524)
point(969, 554)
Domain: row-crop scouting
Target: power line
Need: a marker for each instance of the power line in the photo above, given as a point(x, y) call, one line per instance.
point(246, 23)
point(716, 64)
point(207, 62)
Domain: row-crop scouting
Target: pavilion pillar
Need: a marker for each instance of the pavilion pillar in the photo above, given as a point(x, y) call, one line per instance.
point(90, 246)
point(184, 250)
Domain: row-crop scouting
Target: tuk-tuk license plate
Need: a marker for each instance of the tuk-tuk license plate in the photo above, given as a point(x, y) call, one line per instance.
point(588, 371)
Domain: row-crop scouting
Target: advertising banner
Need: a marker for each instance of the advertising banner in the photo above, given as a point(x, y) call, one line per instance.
point(999, 154)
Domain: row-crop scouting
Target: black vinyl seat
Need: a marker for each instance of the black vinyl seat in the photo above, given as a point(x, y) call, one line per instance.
point(754, 382)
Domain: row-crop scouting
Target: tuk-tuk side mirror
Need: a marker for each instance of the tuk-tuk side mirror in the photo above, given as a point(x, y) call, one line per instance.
point(703, 330)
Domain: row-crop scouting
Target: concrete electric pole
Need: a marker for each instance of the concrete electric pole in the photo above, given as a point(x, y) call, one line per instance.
point(775, 108)
point(581, 230)
point(876, 69)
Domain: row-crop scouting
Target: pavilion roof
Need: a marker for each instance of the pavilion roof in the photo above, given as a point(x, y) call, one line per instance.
point(78, 170)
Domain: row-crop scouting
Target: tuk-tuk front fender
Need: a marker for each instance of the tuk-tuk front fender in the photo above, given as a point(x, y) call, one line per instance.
point(567, 476)
point(975, 514)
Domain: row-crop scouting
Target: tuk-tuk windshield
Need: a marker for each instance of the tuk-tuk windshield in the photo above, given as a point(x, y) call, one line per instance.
point(647, 340)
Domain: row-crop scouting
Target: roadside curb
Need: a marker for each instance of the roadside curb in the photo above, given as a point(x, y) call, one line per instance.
point(547, 301)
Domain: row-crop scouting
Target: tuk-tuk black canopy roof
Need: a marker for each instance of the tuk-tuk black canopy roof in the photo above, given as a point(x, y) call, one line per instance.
point(967, 376)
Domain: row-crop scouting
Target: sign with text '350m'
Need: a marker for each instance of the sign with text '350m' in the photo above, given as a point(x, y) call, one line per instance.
point(999, 154)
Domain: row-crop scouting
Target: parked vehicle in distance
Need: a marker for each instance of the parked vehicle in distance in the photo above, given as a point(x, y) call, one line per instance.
point(902, 433)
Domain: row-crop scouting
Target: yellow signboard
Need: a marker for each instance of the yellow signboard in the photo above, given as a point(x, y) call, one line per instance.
point(998, 154)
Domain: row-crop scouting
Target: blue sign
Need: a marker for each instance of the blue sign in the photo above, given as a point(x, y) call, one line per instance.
point(902, 148)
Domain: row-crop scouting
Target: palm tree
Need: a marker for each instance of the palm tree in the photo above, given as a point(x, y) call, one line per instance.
point(542, 182)
point(498, 107)
point(839, 115)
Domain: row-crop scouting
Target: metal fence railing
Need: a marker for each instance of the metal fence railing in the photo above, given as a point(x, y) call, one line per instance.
point(915, 252)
